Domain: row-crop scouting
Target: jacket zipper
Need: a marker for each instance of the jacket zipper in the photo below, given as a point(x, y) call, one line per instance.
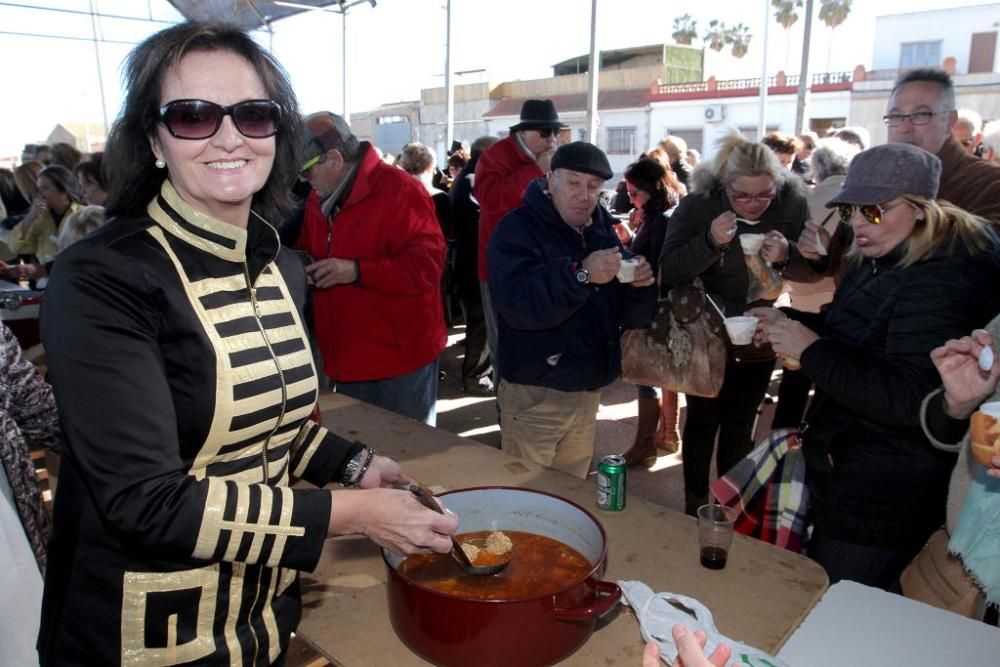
point(263, 454)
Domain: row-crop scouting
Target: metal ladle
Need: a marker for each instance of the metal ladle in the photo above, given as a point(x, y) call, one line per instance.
point(426, 498)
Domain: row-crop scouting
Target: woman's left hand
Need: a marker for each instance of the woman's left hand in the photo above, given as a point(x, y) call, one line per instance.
point(775, 248)
point(643, 273)
point(384, 473)
point(790, 338)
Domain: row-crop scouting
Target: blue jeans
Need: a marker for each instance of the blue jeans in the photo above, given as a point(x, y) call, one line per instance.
point(413, 395)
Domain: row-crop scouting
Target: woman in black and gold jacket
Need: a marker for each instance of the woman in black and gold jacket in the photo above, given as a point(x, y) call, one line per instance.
point(184, 382)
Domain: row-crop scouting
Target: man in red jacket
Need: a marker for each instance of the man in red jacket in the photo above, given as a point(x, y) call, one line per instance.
point(379, 254)
point(502, 174)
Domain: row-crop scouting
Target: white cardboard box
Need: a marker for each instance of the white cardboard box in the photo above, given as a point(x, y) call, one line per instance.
point(857, 625)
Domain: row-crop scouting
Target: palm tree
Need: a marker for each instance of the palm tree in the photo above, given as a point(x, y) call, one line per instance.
point(685, 29)
point(786, 16)
point(715, 36)
point(833, 13)
point(739, 36)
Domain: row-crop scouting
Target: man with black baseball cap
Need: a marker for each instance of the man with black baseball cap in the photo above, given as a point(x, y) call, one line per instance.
point(503, 172)
point(379, 255)
point(562, 293)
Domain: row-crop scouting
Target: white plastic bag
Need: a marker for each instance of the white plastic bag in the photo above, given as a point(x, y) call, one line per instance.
point(657, 618)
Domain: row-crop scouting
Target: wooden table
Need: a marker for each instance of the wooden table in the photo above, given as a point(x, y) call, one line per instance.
point(760, 597)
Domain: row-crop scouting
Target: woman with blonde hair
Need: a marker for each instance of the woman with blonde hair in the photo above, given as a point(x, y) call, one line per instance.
point(80, 223)
point(919, 272)
point(742, 190)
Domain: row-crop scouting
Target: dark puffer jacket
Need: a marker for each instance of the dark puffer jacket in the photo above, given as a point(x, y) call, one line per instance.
point(554, 331)
point(873, 476)
point(688, 253)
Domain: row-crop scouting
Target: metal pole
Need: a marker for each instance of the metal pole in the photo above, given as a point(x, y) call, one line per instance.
point(100, 76)
point(801, 124)
point(762, 120)
point(592, 76)
point(346, 113)
point(449, 85)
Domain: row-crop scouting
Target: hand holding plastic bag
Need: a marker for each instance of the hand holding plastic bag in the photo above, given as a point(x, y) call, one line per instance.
point(658, 615)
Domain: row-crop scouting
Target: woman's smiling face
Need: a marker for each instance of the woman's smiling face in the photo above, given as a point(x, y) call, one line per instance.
point(219, 175)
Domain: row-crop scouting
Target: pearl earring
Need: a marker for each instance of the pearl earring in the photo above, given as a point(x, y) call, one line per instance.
point(160, 164)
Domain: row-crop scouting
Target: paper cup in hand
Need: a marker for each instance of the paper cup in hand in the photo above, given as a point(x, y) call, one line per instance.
point(626, 272)
point(751, 243)
point(740, 329)
point(984, 433)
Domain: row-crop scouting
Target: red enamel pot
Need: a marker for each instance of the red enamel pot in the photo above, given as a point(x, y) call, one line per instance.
point(456, 631)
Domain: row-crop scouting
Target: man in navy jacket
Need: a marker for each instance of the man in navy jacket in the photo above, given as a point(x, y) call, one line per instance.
point(561, 304)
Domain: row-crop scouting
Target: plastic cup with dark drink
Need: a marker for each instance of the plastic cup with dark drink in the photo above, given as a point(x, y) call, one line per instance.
point(715, 534)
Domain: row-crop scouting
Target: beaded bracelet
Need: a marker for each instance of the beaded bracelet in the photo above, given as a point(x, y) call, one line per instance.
point(364, 468)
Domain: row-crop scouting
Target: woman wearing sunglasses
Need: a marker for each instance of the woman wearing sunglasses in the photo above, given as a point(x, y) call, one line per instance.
point(184, 381)
point(919, 272)
point(743, 189)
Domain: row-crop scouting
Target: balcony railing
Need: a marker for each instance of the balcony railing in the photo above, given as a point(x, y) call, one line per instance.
point(753, 83)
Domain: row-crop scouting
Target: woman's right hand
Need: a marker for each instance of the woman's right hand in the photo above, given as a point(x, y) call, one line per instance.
point(393, 519)
point(723, 229)
point(966, 385)
point(809, 240)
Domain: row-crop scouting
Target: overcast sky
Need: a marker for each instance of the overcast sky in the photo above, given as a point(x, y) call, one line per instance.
point(394, 50)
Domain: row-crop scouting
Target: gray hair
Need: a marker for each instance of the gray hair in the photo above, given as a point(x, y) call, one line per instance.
point(930, 75)
point(972, 118)
point(831, 157)
point(78, 224)
point(416, 159)
point(991, 136)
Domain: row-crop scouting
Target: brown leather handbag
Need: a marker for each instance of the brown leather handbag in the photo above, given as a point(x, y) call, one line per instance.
point(682, 350)
point(938, 578)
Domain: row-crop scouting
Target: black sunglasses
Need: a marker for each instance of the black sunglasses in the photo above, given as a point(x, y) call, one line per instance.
point(199, 119)
point(547, 132)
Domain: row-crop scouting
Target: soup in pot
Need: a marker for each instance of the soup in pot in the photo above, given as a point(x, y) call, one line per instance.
point(539, 566)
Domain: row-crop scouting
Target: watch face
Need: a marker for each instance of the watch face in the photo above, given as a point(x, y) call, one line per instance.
point(583, 275)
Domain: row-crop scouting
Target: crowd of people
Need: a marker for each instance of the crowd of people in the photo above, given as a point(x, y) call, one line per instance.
point(226, 257)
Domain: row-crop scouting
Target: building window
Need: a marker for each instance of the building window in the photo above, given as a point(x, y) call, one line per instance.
point(920, 54)
point(621, 140)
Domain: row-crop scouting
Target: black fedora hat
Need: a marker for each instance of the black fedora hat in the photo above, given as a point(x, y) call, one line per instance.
point(537, 114)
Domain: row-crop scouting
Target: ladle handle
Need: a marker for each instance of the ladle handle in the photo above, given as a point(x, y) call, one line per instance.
point(426, 499)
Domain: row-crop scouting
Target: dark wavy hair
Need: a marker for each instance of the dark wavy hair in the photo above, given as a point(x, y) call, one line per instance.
point(91, 169)
point(658, 181)
point(64, 181)
point(132, 179)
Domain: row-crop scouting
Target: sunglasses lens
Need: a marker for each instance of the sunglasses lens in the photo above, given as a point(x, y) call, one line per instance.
point(846, 211)
point(256, 119)
point(873, 214)
point(192, 119)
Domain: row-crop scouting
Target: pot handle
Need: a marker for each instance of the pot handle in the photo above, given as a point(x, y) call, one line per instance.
point(612, 594)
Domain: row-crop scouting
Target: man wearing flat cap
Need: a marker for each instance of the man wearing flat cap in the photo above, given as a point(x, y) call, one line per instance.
point(503, 172)
point(378, 257)
point(561, 304)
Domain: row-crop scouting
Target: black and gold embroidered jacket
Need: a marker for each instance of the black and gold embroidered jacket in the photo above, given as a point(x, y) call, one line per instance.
point(184, 380)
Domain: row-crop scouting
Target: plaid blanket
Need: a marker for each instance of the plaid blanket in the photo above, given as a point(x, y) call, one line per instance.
point(768, 490)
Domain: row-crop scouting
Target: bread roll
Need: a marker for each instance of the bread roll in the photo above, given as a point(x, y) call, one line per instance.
point(984, 435)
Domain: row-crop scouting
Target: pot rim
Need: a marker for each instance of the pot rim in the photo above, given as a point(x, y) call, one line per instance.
point(590, 576)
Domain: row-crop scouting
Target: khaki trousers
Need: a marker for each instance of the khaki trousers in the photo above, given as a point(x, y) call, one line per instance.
point(553, 428)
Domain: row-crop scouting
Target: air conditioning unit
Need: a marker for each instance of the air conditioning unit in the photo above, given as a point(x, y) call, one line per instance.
point(713, 113)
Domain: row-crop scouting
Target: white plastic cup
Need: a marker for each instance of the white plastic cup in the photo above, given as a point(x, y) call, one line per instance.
point(741, 328)
point(751, 243)
point(626, 272)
